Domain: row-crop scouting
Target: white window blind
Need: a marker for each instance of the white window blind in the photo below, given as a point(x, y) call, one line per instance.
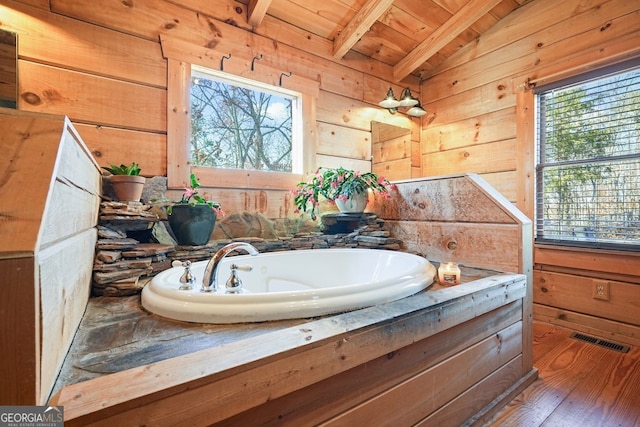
point(588, 171)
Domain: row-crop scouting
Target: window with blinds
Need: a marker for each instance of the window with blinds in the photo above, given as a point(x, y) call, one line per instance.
point(588, 171)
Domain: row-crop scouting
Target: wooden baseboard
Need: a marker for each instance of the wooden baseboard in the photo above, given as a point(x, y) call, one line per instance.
point(610, 330)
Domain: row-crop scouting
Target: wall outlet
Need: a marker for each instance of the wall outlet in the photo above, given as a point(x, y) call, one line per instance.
point(601, 289)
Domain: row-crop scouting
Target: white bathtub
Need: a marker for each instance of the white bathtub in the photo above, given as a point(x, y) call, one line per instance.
point(291, 284)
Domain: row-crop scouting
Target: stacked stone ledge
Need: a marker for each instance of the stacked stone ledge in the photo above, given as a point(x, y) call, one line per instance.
point(123, 265)
point(370, 235)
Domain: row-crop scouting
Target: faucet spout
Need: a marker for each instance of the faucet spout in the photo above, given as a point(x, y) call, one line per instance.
point(209, 280)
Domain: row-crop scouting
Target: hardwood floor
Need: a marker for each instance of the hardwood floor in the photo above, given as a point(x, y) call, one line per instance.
point(580, 384)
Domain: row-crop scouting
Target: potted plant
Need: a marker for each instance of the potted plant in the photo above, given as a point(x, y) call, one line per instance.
point(126, 182)
point(346, 188)
point(193, 218)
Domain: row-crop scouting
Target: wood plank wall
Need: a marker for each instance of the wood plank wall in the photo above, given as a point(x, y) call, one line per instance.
point(481, 121)
point(101, 64)
point(471, 98)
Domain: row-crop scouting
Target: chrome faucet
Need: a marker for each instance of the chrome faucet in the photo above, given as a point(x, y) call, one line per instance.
point(209, 280)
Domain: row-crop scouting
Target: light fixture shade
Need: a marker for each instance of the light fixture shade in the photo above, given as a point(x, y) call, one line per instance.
point(417, 111)
point(389, 101)
point(407, 100)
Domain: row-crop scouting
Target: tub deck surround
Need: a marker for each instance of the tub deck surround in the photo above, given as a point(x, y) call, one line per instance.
point(118, 334)
point(219, 371)
point(444, 356)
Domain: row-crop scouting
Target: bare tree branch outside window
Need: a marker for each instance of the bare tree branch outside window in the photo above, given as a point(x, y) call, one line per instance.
point(239, 128)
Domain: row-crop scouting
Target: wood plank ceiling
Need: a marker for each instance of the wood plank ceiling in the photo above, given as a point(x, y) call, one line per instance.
point(413, 36)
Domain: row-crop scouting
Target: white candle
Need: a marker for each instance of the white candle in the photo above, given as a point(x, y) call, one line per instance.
point(449, 274)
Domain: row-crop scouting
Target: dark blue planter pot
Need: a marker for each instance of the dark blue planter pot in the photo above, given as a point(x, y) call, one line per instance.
point(192, 225)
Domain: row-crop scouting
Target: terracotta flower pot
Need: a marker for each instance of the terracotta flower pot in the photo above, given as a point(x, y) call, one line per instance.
point(128, 187)
point(192, 225)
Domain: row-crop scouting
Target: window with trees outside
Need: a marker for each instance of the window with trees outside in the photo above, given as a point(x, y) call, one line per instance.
point(242, 124)
point(588, 169)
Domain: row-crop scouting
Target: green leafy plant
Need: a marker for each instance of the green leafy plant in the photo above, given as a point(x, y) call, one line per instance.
point(192, 198)
point(336, 183)
point(132, 169)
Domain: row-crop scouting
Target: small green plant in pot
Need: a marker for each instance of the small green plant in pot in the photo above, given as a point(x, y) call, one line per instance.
point(193, 218)
point(132, 169)
point(126, 181)
point(338, 185)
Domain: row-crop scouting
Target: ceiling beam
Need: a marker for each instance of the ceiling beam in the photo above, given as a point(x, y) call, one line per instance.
point(443, 35)
point(256, 11)
point(359, 25)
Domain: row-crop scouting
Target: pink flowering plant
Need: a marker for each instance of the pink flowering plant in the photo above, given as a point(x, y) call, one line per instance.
point(335, 184)
point(191, 197)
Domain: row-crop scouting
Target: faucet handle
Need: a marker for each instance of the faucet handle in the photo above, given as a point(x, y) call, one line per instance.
point(187, 279)
point(234, 284)
point(178, 263)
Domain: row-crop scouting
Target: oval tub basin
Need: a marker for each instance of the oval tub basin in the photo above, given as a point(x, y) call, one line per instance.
point(290, 285)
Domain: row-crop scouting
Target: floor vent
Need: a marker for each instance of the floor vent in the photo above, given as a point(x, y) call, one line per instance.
point(602, 343)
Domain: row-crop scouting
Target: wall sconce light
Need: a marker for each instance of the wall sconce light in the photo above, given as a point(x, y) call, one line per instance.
point(406, 101)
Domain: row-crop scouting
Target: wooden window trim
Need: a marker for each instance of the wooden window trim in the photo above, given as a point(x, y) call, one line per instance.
point(180, 56)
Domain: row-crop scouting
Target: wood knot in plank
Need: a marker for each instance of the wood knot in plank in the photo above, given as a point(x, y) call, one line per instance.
point(211, 44)
point(31, 98)
point(213, 29)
